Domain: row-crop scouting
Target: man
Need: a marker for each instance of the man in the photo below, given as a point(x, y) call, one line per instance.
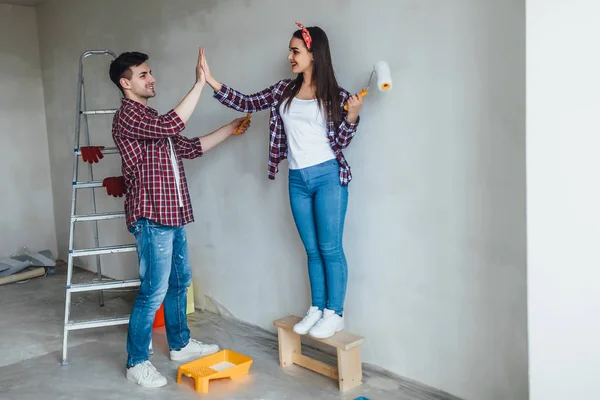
point(157, 206)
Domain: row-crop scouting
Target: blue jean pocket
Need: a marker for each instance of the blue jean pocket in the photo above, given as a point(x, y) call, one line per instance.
point(135, 229)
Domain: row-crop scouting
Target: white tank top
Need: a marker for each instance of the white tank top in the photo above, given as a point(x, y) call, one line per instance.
point(306, 131)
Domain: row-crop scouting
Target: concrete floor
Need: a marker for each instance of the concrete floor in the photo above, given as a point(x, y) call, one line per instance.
point(31, 322)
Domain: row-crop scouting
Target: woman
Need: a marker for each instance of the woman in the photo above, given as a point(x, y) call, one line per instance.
point(310, 127)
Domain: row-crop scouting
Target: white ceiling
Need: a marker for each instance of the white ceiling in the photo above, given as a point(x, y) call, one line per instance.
point(22, 2)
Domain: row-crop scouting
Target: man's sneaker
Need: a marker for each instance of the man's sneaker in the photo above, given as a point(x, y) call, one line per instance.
point(144, 374)
point(312, 316)
point(194, 349)
point(328, 325)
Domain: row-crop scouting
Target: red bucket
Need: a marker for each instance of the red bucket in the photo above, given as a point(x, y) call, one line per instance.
point(159, 317)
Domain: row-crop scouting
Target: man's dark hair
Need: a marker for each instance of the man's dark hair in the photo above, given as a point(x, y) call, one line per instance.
point(120, 67)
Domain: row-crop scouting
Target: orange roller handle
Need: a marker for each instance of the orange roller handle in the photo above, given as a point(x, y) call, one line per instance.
point(363, 93)
point(243, 124)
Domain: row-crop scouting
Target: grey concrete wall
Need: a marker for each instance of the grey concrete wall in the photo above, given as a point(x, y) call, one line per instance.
point(435, 233)
point(26, 205)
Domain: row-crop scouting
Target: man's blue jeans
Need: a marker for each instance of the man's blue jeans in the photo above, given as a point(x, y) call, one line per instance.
point(165, 275)
point(319, 204)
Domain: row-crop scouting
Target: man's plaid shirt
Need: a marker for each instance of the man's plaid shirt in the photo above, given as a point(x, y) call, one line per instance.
point(142, 137)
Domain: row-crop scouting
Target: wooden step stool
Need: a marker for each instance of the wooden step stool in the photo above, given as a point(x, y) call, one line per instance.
point(349, 367)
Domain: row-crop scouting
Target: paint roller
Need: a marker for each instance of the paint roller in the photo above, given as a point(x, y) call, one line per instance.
point(384, 79)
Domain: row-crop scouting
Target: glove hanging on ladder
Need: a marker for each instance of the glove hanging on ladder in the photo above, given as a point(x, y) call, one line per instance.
point(115, 186)
point(91, 154)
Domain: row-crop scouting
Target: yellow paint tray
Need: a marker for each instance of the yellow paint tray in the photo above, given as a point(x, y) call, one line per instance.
point(223, 364)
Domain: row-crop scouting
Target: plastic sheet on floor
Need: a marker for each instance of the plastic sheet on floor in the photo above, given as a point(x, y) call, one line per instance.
point(25, 258)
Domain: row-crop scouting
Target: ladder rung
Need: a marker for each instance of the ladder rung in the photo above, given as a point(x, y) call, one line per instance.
point(88, 287)
point(86, 185)
point(98, 217)
point(106, 150)
point(96, 323)
point(97, 112)
point(103, 250)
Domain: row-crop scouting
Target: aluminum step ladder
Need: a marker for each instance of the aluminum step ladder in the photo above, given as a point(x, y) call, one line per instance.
point(94, 217)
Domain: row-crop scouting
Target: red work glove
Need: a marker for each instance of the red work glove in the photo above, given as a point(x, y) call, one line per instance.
point(91, 154)
point(115, 186)
point(120, 186)
point(109, 184)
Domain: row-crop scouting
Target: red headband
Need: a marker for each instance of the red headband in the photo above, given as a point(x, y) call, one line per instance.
point(305, 35)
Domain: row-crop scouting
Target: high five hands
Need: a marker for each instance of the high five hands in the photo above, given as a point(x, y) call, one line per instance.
point(204, 65)
point(200, 75)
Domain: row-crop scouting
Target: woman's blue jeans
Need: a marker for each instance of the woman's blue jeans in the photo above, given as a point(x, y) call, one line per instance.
point(319, 204)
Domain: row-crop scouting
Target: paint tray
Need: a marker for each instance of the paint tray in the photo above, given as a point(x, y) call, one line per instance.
point(223, 364)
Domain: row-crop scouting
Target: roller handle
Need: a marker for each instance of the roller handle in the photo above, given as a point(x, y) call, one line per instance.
point(243, 124)
point(363, 93)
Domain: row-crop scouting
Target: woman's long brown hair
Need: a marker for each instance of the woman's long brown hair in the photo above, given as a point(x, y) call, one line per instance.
point(327, 89)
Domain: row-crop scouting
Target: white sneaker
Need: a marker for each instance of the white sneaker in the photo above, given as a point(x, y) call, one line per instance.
point(312, 317)
point(194, 349)
point(144, 374)
point(328, 325)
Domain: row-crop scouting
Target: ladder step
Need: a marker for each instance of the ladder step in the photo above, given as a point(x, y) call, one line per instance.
point(98, 217)
point(96, 323)
point(88, 287)
point(103, 250)
point(106, 150)
point(86, 185)
point(98, 112)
